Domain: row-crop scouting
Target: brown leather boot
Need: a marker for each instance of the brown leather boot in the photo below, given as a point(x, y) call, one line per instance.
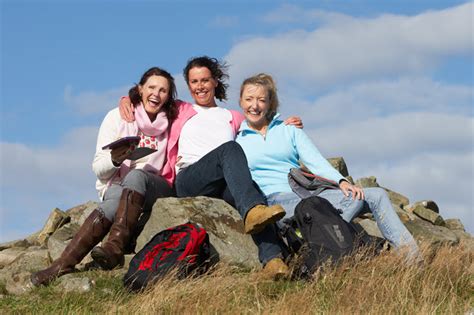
point(93, 230)
point(276, 269)
point(261, 215)
point(111, 254)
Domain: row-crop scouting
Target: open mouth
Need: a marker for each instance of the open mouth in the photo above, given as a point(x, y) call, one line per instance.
point(201, 94)
point(154, 102)
point(254, 112)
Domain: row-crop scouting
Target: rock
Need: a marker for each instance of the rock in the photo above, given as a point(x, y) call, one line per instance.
point(428, 215)
point(79, 213)
point(396, 198)
point(428, 204)
point(71, 283)
point(370, 227)
point(403, 215)
point(454, 224)
point(366, 182)
point(9, 255)
point(33, 239)
point(127, 260)
point(90, 206)
point(56, 219)
point(33, 259)
point(433, 234)
point(59, 240)
point(222, 222)
point(19, 283)
point(18, 243)
point(339, 164)
point(465, 239)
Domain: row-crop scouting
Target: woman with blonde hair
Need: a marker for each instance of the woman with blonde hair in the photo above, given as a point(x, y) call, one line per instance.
point(273, 148)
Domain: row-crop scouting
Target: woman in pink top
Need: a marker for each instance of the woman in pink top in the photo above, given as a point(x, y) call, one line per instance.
point(208, 162)
point(128, 188)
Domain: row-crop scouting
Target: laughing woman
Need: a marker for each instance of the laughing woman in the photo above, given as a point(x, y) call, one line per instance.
point(273, 148)
point(127, 188)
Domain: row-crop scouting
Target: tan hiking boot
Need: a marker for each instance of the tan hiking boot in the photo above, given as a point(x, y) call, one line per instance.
point(261, 215)
point(276, 269)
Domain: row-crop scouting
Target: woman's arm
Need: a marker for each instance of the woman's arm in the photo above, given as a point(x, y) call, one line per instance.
point(127, 110)
point(317, 164)
point(102, 164)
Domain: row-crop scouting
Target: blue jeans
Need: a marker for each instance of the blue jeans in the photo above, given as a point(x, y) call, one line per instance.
point(223, 173)
point(147, 184)
point(376, 201)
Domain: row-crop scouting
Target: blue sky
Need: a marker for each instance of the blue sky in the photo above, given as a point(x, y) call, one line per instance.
point(386, 84)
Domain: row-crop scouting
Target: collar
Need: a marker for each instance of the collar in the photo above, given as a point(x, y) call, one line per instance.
point(244, 127)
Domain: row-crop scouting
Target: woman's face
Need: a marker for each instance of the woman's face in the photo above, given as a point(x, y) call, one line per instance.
point(155, 93)
point(255, 104)
point(202, 86)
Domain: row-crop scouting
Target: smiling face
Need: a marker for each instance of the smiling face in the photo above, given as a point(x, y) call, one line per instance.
point(255, 103)
point(154, 93)
point(202, 86)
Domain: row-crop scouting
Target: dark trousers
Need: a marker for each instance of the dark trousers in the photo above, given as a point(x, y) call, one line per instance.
point(224, 168)
point(223, 173)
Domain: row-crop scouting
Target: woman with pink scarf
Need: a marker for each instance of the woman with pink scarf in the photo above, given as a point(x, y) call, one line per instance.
point(127, 188)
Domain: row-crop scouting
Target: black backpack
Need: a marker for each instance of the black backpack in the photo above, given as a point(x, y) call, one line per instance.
point(184, 248)
point(317, 233)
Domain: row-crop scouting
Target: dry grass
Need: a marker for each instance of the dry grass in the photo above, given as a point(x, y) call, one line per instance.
point(381, 285)
point(443, 285)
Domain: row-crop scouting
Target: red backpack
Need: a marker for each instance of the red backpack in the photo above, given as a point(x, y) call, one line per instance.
point(184, 248)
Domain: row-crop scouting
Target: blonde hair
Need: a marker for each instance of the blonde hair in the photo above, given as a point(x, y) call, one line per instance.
point(267, 82)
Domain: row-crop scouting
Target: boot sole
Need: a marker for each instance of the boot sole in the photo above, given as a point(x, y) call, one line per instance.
point(260, 226)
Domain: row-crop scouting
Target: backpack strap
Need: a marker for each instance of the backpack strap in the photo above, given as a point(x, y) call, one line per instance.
point(306, 184)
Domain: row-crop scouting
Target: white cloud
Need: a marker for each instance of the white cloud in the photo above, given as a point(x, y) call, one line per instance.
point(92, 102)
point(445, 177)
point(414, 134)
point(393, 137)
point(376, 104)
point(349, 48)
point(35, 180)
point(379, 110)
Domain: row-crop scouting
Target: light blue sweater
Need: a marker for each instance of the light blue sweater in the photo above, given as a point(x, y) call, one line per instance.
point(270, 158)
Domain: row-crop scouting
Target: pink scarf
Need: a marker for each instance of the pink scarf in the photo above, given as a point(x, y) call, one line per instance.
point(157, 128)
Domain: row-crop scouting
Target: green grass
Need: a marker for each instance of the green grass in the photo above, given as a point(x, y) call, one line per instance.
point(383, 285)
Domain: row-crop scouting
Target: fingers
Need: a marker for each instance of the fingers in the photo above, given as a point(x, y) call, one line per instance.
point(130, 113)
point(357, 192)
point(127, 110)
point(345, 191)
point(294, 121)
point(121, 153)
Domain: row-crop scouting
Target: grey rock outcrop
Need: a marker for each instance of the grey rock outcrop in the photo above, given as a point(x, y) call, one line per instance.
point(221, 221)
point(229, 244)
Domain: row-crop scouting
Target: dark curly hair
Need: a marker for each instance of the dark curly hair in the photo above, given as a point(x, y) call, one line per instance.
point(169, 107)
point(218, 71)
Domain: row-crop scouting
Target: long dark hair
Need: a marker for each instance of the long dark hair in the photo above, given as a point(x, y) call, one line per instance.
point(169, 107)
point(218, 71)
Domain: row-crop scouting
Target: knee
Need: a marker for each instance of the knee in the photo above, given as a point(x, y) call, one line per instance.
point(375, 193)
point(232, 147)
point(134, 178)
point(378, 199)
